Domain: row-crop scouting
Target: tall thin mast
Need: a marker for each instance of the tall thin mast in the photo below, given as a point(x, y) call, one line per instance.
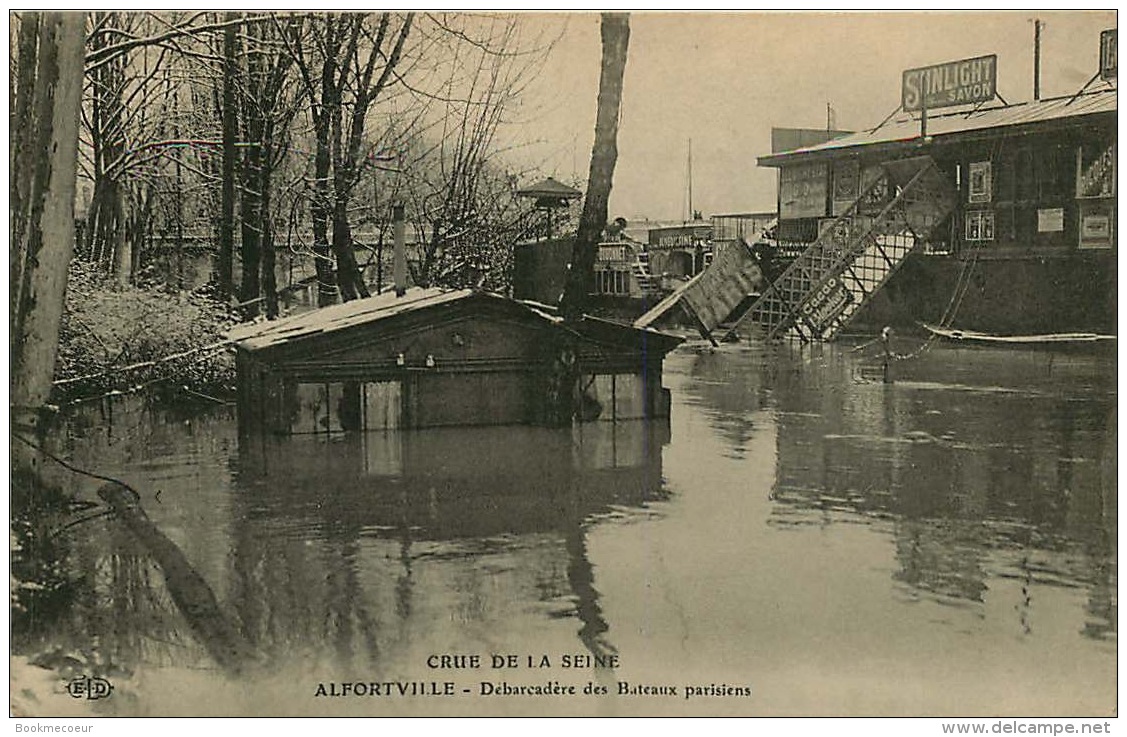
point(1037, 24)
point(690, 217)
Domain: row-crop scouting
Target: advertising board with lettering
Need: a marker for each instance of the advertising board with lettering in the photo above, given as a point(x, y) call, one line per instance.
point(962, 82)
point(802, 191)
point(1109, 54)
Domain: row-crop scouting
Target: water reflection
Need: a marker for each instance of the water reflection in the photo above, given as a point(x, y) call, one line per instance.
point(345, 554)
point(800, 530)
point(334, 532)
point(981, 464)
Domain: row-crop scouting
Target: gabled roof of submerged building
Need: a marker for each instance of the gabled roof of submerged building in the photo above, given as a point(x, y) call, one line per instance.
point(260, 335)
point(386, 307)
point(958, 126)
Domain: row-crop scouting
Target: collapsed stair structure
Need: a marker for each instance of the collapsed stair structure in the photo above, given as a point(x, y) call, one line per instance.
point(855, 255)
point(991, 217)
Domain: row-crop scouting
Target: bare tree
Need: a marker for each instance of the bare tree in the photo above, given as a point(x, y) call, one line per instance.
point(127, 131)
point(230, 125)
point(615, 29)
point(268, 107)
point(106, 125)
point(352, 63)
point(463, 197)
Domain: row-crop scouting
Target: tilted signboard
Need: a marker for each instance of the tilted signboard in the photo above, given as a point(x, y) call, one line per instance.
point(825, 304)
point(1109, 53)
point(963, 82)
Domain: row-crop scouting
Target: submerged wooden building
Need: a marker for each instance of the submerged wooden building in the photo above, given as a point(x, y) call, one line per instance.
point(436, 357)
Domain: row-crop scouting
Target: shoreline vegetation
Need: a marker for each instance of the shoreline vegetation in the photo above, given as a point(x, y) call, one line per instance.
point(114, 339)
point(119, 338)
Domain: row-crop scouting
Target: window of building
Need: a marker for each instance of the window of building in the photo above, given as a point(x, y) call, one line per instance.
point(1050, 168)
point(1025, 175)
point(612, 281)
point(615, 396)
point(1005, 179)
point(1031, 182)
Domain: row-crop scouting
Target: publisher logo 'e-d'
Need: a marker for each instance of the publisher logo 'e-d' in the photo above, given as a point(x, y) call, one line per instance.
point(91, 688)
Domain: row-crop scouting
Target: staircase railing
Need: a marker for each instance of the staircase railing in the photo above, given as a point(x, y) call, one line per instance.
point(641, 268)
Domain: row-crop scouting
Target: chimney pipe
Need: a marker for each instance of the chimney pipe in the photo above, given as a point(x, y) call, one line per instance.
point(399, 265)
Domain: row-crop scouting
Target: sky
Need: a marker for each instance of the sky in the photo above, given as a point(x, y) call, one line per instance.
point(724, 80)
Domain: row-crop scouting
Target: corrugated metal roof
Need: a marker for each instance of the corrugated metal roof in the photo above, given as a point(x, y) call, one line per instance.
point(907, 128)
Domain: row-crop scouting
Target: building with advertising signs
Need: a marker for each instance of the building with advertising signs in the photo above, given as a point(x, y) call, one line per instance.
point(985, 216)
point(679, 251)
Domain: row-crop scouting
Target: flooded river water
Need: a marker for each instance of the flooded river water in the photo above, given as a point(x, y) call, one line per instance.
point(797, 539)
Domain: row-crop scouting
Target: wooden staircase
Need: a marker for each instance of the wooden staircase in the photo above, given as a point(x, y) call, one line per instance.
point(855, 255)
point(642, 274)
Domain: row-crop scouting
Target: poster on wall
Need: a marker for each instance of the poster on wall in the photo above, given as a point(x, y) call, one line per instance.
point(846, 175)
point(802, 191)
point(1096, 228)
point(980, 225)
point(981, 185)
point(1097, 171)
point(1050, 220)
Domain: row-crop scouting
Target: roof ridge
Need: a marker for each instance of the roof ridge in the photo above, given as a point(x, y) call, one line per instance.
point(321, 317)
point(963, 122)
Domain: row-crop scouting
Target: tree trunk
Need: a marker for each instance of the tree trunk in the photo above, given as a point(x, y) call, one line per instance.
point(269, 278)
point(122, 242)
point(251, 196)
point(225, 275)
point(46, 218)
point(604, 156)
point(320, 207)
point(251, 246)
point(349, 278)
point(109, 244)
point(320, 211)
point(20, 157)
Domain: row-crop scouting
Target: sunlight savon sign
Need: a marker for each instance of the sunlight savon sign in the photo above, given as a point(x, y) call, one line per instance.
point(962, 82)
